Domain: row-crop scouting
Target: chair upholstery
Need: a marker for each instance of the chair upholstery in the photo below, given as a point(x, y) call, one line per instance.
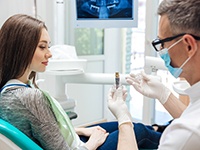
point(12, 138)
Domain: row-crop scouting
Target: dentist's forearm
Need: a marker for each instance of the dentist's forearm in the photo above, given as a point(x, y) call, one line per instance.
point(174, 106)
point(126, 139)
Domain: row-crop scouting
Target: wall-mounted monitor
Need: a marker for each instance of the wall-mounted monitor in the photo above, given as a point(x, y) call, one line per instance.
point(105, 13)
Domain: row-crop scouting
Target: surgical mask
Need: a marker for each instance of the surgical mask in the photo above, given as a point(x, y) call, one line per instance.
point(165, 56)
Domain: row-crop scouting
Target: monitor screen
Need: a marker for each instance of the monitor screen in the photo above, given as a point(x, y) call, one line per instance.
point(105, 13)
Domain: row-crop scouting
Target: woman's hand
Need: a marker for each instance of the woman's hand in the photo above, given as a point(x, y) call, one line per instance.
point(97, 137)
point(88, 131)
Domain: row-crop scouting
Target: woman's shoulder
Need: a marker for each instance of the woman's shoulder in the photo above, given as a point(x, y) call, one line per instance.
point(29, 97)
point(27, 93)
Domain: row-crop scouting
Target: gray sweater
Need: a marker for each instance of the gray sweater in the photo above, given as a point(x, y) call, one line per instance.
point(29, 111)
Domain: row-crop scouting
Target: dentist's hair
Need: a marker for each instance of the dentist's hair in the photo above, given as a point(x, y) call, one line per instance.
point(183, 15)
point(19, 37)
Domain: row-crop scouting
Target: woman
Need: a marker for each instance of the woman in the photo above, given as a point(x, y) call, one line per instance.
point(23, 52)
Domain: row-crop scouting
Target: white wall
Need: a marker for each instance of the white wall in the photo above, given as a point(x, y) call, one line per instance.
point(9, 8)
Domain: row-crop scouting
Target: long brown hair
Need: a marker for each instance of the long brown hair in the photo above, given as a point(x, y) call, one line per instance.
point(19, 37)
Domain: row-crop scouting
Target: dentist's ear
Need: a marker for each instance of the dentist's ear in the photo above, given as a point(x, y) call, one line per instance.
point(191, 44)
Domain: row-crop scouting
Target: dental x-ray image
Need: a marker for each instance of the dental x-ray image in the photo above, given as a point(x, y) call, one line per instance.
point(103, 9)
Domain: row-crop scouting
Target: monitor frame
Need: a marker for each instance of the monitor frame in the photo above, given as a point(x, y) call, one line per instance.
point(105, 23)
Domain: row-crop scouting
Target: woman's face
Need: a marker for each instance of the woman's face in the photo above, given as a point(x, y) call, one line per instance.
point(42, 53)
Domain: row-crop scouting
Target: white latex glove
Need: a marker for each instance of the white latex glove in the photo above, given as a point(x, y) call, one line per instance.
point(117, 105)
point(149, 86)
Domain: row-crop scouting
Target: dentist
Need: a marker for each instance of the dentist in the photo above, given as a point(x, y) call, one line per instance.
point(178, 44)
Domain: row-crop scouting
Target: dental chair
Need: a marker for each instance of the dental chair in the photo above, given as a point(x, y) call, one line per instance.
point(12, 138)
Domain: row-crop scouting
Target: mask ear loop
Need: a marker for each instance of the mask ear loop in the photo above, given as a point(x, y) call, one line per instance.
point(188, 58)
point(175, 43)
point(185, 62)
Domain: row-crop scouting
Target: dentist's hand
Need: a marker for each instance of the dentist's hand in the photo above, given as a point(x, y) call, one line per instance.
point(149, 86)
point(117, 105)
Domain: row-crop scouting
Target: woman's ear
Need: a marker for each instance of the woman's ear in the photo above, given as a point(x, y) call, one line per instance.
point(191, 44)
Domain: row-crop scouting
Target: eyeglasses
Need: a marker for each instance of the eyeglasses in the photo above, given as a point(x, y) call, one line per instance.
point(158, 44)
